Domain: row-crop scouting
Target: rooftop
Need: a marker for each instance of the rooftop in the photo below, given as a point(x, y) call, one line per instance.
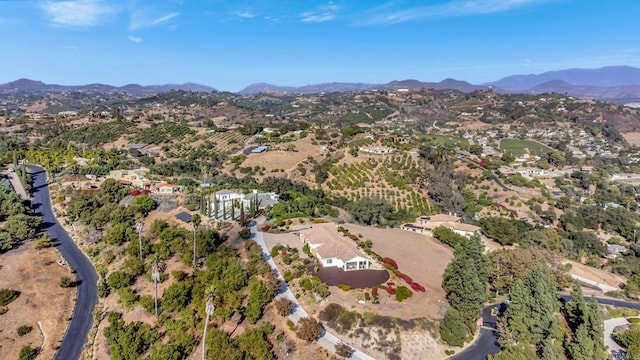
point(333, 243)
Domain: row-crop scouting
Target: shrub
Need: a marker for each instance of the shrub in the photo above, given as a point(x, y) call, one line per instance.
point(417, 287)
point(403, 293)
point(634, 320)
point(308, 329)
point(374, 292)
point(127, 297)
point(120, 279)
point(291, 325)
point(288, 276)
point(7, 296)
point(66, 282)
point(27, 353)
point(284, 306)
point(390, 261)
point(343, 350)
point(179, 275)
point(344, 287)
point(306, 284)
point(405, 277)
point(391, 290)
point(24, 330)
point(275, 251)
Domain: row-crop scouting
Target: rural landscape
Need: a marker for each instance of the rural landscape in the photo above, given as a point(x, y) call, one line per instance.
point(399, 223)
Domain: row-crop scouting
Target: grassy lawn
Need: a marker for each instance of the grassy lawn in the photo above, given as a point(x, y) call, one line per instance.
point(519, 147)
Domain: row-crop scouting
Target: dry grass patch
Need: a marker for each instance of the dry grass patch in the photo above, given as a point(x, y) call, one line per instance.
point(42, 304)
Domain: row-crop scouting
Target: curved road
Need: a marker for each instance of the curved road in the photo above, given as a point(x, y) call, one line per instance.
point(485, 343)
point(86, 277)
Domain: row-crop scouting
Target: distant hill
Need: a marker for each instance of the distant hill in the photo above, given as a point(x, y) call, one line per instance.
point(342, 87)
point(33, 85)
point(446, 84)
point(308, 89)
point(610, 82)
point(609, 76)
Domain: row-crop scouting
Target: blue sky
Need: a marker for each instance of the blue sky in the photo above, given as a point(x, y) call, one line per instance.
point(231, 44)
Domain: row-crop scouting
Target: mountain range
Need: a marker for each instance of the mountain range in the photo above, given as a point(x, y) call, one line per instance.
point(611, 82)
point(33, 85)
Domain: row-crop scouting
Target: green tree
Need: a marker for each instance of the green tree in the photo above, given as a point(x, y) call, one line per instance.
point(259, 296)
point(452, 329)
point(522, 351)
point(254, 344)
point(464, 281)
point(22, 226)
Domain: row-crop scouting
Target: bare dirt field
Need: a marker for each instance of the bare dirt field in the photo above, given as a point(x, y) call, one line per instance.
point(42, 304)
point(632, 137)
point(421, 257)
point(283, 159)
point(594, 274)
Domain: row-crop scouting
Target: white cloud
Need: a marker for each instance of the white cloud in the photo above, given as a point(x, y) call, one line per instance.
point(77, 13)
point(141, 19)
point(135, 39)
point(245, 15)
point(322, 14)
point(451, 9)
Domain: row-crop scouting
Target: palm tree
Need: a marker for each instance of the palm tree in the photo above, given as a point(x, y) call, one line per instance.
point(139, 225)
point(210, 307)
point(196, 220)
point(156, 265)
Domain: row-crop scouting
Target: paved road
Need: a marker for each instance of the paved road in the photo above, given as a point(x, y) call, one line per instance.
point(326, 340)
point(485, 343)
point(76, 336)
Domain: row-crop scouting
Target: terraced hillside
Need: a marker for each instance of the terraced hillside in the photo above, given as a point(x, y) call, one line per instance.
point(389, 177)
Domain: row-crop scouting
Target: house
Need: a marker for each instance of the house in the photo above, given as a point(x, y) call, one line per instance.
point(263, 200)
point(228, 203)
point(376, 150)
point(167, 188)
point(615, 250)
point(426, 224)
point(134, 177)
point(333, 249)
point(227, 195)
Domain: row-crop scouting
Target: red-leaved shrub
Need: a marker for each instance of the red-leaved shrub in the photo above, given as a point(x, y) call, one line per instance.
point(390, 261)
point(391, 290)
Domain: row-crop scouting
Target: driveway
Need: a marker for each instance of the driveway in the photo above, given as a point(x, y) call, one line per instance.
point(76, 336)
point(609, 325)
point(326, 340)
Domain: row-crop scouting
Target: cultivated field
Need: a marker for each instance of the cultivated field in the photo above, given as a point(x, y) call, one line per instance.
point(521, 147)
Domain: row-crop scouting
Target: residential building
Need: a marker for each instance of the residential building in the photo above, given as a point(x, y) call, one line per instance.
point(333, 249)
point(134, 177)
point(426, 224)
